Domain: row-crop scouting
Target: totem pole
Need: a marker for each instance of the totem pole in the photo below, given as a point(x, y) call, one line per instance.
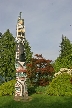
point(20, 86)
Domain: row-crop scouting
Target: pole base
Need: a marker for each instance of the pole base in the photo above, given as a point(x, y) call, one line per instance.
point(21, 98)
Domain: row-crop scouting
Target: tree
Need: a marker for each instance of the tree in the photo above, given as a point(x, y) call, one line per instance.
point(66, 47)
point(7, 55)
point(28, 52)
point(65, 58)
point(40, 70)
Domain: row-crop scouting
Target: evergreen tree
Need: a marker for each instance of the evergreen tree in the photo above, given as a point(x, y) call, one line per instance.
point(66, 47)
point(7, 56)
point(28, 53)
point(65, 58)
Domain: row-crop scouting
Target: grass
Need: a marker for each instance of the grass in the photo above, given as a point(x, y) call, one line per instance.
point(38, 101)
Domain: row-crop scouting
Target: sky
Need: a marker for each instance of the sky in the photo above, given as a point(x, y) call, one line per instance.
point(45, 22)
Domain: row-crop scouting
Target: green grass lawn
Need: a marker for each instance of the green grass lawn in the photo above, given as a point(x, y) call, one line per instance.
point(38, 101)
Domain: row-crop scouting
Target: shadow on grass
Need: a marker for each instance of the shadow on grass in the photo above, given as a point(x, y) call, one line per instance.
point(41, 101)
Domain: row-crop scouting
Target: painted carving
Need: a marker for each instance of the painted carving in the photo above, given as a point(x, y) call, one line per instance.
point(21, 76)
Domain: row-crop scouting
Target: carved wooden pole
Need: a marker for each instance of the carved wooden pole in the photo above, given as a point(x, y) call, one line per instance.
point(20, 86)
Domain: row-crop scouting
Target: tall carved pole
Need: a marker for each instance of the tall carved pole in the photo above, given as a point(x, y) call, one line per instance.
point(20, 86)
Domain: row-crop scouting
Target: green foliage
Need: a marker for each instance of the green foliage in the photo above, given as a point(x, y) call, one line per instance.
point(7, 55)
point(7, 88)
point(31, 90)
point(65, 62)
point(28, 52)
point(66, 47)
point(65, 58)
point(1, 80)
point(41, 89)
point(60, 86)
point(30, 87)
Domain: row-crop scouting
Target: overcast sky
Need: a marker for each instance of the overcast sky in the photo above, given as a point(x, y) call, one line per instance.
point(45, 22)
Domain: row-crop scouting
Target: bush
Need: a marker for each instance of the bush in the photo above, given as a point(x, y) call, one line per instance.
point(60, 86)
point(41, 89)
point(7, 88)
point(31, 90)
